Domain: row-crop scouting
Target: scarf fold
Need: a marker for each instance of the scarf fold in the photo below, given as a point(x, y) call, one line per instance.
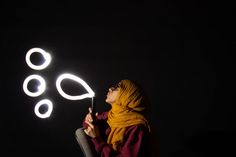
point(125, 112)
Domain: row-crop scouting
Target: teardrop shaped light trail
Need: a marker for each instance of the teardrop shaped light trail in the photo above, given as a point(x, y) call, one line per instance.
point(46, 56)
point(90, 93)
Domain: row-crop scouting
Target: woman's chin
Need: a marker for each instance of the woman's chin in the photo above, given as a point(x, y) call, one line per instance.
point(107, 101)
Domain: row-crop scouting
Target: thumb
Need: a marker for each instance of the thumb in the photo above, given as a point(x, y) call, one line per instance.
point(90, 110)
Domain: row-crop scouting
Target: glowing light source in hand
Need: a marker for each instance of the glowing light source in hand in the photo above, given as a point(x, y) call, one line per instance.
point(90, 93)
point(39, 104)
point(41, 88)
point(46, 56)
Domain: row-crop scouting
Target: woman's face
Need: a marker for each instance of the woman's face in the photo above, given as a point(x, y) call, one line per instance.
point(112, 94)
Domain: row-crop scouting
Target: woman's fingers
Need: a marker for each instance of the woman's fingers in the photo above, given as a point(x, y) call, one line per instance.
point(91, 130)
point(90, 110)
point(87, 130)
point(90, 124)
point(88, 117)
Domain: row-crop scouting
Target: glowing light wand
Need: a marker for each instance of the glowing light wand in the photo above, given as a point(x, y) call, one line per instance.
point(93, 107)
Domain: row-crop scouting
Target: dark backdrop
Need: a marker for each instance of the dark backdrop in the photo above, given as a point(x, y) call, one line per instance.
point(180, 52)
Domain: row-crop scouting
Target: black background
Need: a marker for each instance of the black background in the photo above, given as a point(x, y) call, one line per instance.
point(181, 53)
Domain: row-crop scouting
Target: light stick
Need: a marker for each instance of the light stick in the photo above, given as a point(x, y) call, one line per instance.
point(46, 56)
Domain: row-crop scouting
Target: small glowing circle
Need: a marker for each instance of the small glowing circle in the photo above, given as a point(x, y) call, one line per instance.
point(46, 56)
point(90, 93)
point(40, 103)
point(41, 88)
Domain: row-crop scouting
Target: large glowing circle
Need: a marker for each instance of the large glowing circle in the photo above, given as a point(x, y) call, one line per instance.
point(46, 56)
point(39, 104)
point(90, 93)
point(41, 88)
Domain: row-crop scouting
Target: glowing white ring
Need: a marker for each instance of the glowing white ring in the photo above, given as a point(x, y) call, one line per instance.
point(46, 56)
point(41, 87)
point(90, 93)
point(49, 111)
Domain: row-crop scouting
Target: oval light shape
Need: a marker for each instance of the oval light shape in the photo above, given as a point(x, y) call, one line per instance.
point(41, 88)
point(39, 104)
point(46, 56)
point(90, 93)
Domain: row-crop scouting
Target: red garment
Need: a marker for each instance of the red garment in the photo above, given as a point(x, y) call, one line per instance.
point(135, 141)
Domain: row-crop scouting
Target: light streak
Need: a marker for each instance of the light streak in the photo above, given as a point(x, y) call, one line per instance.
point(39, 104)
point(90, 93)
point(46, 56)
point(41, 88)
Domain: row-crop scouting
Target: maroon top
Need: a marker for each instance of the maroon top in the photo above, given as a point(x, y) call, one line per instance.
point(135, 140)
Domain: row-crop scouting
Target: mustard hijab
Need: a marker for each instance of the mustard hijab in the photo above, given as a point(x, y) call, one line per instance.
point(126, 111)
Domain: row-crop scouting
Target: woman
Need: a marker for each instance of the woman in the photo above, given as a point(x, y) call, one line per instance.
point(124, 130)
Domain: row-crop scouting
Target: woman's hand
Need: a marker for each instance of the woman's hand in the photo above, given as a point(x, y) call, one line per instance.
point(89, 117)
point(92, 130)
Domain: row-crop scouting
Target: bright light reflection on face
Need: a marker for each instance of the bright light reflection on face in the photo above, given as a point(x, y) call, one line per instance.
point(39, 104)
point(41, 88)
point(46, 56)
point(90, 93)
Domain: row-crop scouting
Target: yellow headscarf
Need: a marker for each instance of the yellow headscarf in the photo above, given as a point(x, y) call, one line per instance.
point(126, 111)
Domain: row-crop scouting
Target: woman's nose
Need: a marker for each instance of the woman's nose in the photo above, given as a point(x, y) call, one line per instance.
point(111, 89)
